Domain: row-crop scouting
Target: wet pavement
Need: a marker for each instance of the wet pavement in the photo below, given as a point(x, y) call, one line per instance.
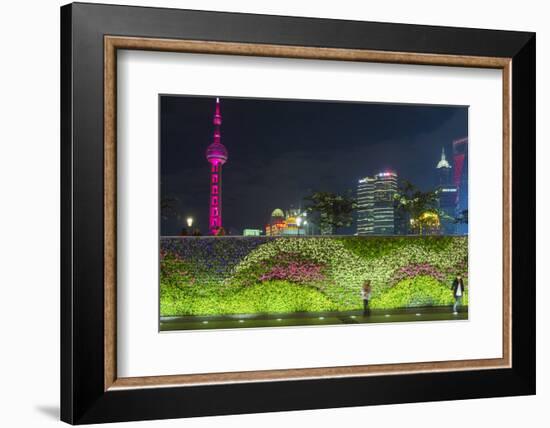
point(442, 313)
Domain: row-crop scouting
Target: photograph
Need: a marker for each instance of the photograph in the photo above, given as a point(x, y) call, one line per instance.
point(287, 212)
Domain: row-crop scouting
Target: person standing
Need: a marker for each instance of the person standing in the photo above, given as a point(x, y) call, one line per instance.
point(365, 294)
point(458, 292)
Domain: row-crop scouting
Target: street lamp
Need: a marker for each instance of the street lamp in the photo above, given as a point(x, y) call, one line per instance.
point(298, 223)
point(305, 226)
point(189, 222)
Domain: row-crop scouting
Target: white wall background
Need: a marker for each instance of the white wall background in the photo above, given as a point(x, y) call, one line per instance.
point(29, 218)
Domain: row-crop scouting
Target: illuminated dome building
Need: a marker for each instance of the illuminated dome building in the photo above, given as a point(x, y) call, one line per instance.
point(283, 224)
point(217, 155)
point(277, 223)
point(277, 214)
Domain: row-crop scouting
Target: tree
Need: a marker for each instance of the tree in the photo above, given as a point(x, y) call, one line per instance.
point(428, 223)
point(411, 202)
point(331, 210)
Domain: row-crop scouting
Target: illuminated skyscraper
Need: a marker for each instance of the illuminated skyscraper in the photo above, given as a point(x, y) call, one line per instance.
point(447, 195)
point(216, 154)
point(365, 205)
point(444, 170)
point(376, 207)
point(460, 178)
point(385, 188)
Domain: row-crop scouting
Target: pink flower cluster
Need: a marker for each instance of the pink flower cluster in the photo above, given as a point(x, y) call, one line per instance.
point(413, 270)
point(460, 268)
point(301, 272)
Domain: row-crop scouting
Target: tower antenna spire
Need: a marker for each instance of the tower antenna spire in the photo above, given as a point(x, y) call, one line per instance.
point(443, 163)
point(216, 154)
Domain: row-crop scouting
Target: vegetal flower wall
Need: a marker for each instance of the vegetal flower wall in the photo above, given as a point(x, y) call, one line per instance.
point(207, 260)
point(224, 272)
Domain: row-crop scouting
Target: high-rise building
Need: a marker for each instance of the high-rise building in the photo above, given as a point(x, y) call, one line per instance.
point(444, 170)
point(216, 154)
point(376, 212)
point(365, 205)
point(447, 195)
point(385, 188)
point(460, 179)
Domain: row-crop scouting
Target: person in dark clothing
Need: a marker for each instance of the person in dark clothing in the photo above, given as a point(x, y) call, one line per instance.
point(365, 294)
point(458, 291)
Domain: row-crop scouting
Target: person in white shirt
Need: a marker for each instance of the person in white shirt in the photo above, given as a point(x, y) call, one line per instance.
point(365, 294)
point(458, 292)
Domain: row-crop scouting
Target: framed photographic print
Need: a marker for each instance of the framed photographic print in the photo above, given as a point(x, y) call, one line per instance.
point(384, 251)
point(265, 213)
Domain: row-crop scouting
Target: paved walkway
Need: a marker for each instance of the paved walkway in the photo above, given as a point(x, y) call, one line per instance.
point(308, 318)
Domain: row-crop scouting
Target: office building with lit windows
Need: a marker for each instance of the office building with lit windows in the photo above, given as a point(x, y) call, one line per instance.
point(365, 205)
point(376, 204)
point(385, 188)
point(460, 179)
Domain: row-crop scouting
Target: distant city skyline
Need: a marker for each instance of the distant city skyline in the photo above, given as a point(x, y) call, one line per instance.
point(280, 151)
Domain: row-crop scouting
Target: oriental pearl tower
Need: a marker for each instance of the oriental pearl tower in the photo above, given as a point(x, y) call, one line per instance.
point(216, 154)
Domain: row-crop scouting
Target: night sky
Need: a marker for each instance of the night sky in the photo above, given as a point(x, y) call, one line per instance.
point(282, 150)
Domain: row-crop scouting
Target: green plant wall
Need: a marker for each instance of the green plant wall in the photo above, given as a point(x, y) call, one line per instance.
point(237, 275)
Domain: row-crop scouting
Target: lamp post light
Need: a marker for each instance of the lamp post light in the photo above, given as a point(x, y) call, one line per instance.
point(298, 223)
point(305, 226)
point(189, 222)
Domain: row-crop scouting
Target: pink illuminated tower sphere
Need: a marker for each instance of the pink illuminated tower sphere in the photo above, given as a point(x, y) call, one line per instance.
point(216, 154)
